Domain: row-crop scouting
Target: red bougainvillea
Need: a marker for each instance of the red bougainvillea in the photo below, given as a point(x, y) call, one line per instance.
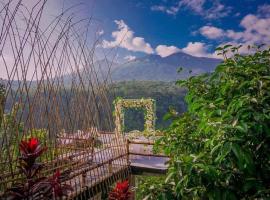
point(121, 191)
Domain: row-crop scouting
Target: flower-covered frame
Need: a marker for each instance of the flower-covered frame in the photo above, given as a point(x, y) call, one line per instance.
point(149, 106)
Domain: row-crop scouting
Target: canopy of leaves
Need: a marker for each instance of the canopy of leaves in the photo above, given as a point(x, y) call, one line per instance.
point(220, 147)
point(166, 95)
point(153, 188)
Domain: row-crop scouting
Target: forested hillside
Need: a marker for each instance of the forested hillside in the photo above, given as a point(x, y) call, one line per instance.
point(167, 95)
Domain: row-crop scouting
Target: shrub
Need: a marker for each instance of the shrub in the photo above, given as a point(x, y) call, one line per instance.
point(220, 148)
point(33, 186)
point(153, 188)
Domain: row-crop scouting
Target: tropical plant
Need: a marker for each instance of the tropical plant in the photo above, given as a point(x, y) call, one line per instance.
point(220, 148)
point(33, 185)
point(121, 191)
point(10, 132)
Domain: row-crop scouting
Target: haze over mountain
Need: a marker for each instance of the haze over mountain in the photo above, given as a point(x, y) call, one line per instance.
point(101, 71)
point(157, 68)
point(148, 68)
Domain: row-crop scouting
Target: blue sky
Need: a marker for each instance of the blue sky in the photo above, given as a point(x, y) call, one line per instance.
point(128, 29)
point(193, 26)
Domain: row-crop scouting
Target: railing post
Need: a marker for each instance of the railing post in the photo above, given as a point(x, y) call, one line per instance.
point(110, 167)
point(132, 182)
point(83, 179)
point(127, 147)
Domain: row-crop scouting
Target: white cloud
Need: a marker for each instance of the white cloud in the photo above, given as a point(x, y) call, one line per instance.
point(264, 10)
point(207, 9)
point(195, 48)
point(256, 30)
point(194, 5)
point(217, 11)
point(233, 34)
point(124, 37)
point(211, 32)
point(164, 50)
point(130, 57)
point(100, 32)
point(198, 49)
point(158, 8)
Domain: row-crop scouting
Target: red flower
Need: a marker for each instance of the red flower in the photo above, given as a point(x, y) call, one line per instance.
point(32, 144)
point(31, 148)
point(120, 192)
point(123, 187)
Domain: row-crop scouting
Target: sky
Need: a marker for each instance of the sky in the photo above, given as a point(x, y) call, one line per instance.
point(196, 27)
point(129, 29)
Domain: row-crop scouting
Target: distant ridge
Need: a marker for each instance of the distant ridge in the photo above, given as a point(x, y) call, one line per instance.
point(147, 68)
point(156, 68)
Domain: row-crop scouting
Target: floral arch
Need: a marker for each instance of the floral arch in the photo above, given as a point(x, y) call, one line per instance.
point(149, 106)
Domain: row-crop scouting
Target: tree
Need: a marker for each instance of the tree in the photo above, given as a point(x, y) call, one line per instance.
point(220, 147)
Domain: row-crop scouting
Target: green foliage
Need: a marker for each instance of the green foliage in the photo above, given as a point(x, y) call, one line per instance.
point(165, 94)
point(130, 115)
point(220, 148)
point(42, 135)
point(10, 133)
point(153, 188)
point(33, 185)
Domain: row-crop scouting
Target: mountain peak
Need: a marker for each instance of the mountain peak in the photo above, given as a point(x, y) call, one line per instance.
point(156, 68)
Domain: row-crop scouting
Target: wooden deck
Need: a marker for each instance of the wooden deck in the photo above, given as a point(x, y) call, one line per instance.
point(143, 160)
point(99, 169)
point(115, 163)
point(91, 171)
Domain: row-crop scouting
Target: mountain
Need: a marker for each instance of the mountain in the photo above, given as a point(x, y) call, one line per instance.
point(148, 68)
point(156, 68)
point(101, 71)
point(105, 67)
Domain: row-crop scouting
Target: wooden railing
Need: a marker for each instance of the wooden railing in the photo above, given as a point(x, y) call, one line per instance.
point(142, 143)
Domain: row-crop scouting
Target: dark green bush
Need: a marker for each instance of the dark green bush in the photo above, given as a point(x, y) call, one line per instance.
point(220, 147)
point(153, 188)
